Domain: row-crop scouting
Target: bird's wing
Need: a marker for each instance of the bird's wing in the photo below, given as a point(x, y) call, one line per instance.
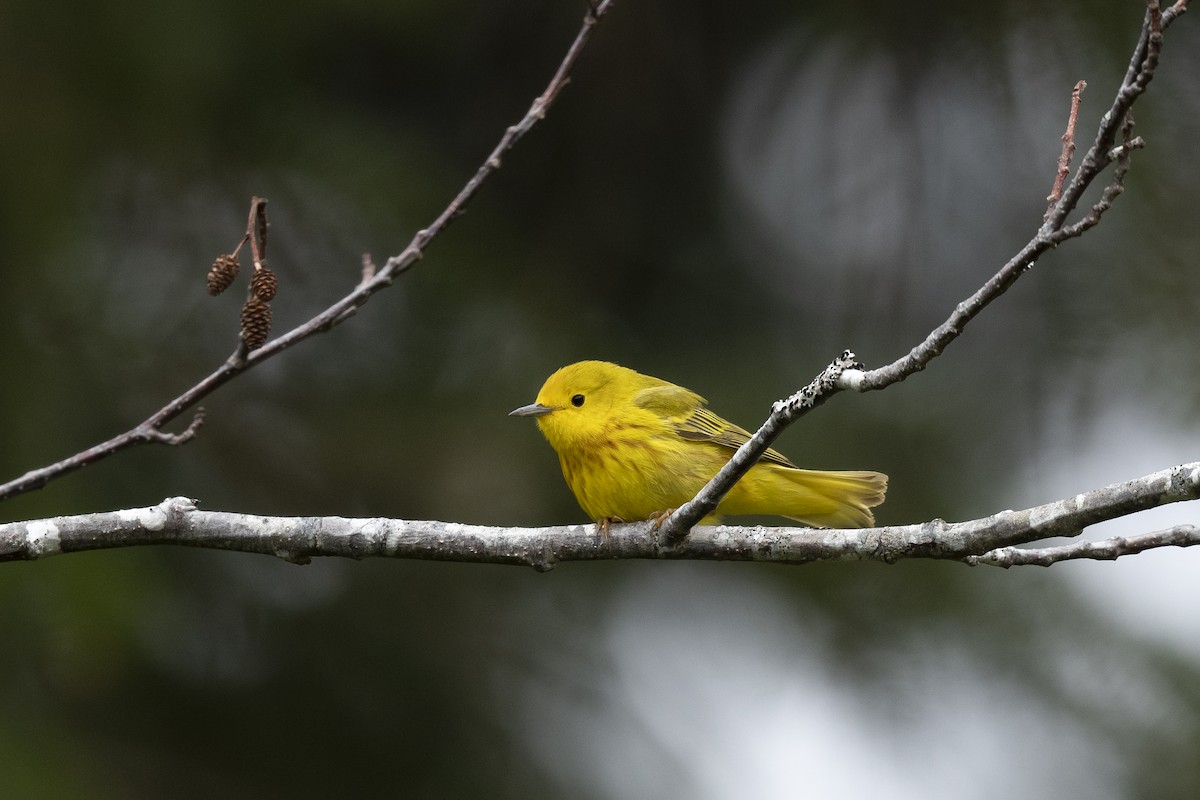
point(686, 412)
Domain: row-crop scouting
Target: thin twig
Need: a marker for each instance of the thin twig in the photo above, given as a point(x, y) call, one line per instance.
point(368, 269)
point(343, 309)
point(1137, 77)
point(1052, 233)
point(155, 435)
point(1068, 149)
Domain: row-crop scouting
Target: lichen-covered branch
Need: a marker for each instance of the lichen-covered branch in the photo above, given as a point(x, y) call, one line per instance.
point(847, 374)
point(989, 540)
point(783, 413)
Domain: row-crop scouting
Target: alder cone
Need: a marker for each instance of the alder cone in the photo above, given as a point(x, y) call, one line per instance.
point(263, 284)
point(222, 273)
point(256, 323)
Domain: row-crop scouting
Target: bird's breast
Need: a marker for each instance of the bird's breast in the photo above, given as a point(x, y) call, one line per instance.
point(631, 472)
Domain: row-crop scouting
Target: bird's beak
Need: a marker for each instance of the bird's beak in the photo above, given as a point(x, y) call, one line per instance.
point(531, 410)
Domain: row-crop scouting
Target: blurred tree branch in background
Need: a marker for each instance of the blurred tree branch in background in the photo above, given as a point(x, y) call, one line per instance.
point(988, 540)
point(373, 280)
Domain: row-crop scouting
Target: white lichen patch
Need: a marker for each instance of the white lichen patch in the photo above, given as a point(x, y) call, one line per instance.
point(153, 518)
point(1042, 516)
point(833, 539)
point(851, 379)
point(43, 538)
point(399, 535)
point(369, 528)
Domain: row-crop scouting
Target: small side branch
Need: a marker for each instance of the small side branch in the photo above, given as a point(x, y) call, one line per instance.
point(184, 436)
point(1068, 150)
point(1106, 550)
point(147, 433)
point(1121, 155)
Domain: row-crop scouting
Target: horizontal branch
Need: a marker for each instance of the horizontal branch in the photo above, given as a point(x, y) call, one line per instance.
point(989, 540)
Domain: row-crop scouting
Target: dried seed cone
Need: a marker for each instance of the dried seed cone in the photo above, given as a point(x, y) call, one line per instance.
point(256, 323)
point(222, 273)
point(263, 284)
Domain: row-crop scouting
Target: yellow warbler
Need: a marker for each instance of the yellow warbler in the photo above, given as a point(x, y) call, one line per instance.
point(633, 447)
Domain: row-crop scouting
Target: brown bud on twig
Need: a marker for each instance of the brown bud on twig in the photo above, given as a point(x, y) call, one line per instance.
point(263, 284)
point(222, 273)
point(256, 323)
point(259, 214)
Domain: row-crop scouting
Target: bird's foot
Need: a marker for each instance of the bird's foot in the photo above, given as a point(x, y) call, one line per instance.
point(604, 524)
point(659, 517)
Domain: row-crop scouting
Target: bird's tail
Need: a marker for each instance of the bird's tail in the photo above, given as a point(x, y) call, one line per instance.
point(812, 497)
point(836, 499)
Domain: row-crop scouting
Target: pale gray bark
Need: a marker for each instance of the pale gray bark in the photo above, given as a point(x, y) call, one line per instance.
point(988, 540)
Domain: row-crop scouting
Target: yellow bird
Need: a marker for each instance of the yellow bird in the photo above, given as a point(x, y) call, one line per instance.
point(634, 447)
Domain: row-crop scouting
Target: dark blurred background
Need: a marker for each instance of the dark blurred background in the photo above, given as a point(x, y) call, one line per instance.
point(726, 196)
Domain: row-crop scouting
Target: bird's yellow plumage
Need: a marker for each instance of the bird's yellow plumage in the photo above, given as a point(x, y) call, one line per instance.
point(632, 446)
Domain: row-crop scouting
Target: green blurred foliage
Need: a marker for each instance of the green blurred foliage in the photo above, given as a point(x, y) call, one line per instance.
point(726, 196)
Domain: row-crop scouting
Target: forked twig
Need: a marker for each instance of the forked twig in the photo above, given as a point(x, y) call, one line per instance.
point(1053, 232)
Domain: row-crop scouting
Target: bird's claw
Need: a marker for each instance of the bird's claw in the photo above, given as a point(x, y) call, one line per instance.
point(604, 524)
point(659, 517)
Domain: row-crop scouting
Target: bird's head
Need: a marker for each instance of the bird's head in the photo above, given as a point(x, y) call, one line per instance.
point(579, 402)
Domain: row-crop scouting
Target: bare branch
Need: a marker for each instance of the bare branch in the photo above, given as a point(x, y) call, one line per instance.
point(1052, 233)
point(988, 540)
point(846, 374)
point(1106, 550)
point(371, 282)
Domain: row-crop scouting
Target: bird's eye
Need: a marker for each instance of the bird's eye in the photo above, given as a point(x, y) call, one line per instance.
point(577, 400)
